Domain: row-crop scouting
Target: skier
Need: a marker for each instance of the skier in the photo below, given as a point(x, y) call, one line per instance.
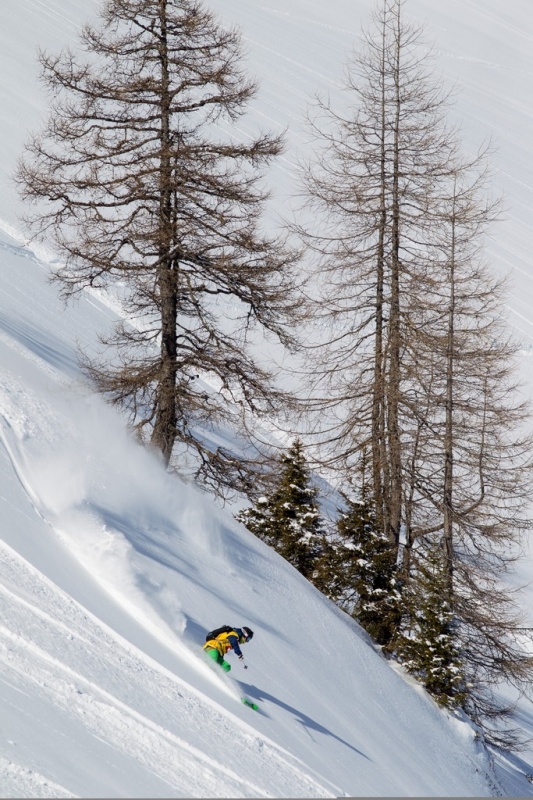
point(222, 640)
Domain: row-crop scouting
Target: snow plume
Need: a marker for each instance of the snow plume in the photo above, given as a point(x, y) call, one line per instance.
point(66, 457)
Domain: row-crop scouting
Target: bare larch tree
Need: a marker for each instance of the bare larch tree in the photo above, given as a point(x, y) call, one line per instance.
point(379, 166)
point(414, 365)
point(139, 177)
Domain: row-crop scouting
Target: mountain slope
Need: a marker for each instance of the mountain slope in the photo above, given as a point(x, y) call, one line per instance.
point(111, 570)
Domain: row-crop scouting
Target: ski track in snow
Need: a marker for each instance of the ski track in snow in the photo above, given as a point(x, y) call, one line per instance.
point(63, 650)
point(19, 781)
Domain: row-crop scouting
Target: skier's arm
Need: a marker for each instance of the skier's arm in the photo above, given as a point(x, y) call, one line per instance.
point(234, 642)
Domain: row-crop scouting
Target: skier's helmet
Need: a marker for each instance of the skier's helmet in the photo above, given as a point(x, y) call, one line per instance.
point(247, 633)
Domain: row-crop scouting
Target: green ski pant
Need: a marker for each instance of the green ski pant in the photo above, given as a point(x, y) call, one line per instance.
point(215, 655)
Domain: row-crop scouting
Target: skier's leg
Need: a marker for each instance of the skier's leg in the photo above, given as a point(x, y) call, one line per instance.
point(215, 655)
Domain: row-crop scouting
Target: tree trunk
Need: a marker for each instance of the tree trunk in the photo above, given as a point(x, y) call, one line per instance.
point(393, 386)
point(448, 433)
point(164, 432)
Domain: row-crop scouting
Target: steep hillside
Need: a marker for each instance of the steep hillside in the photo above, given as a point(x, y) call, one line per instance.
point(111, 570)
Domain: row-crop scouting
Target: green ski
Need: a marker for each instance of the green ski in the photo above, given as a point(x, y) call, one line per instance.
point(249, 703)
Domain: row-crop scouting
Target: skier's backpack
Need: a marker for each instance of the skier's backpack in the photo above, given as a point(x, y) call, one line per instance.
point(218, 631)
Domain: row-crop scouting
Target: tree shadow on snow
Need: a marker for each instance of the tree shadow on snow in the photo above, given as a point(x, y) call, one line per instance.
point(42, 343)
point(307, 722)
point(513, 770)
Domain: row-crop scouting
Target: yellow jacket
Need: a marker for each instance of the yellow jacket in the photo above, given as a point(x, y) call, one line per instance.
point(223, 643)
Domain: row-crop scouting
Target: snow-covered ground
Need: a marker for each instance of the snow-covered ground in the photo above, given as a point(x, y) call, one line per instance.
point(111, 570)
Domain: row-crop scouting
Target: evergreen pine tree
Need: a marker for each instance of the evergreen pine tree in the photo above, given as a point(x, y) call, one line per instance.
point(258, 520)
point(373, 570)
point(428, 644)
point(357, 570)
point(289, 520)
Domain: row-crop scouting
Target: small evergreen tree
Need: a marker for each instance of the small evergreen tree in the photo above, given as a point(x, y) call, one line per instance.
point(289, 520)
point(428, 643)
point(357, 570)
point(373, 570)
point(257, 519)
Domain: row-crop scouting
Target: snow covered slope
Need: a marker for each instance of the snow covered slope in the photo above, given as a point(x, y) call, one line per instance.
point(110, 573)
point(111, 570)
